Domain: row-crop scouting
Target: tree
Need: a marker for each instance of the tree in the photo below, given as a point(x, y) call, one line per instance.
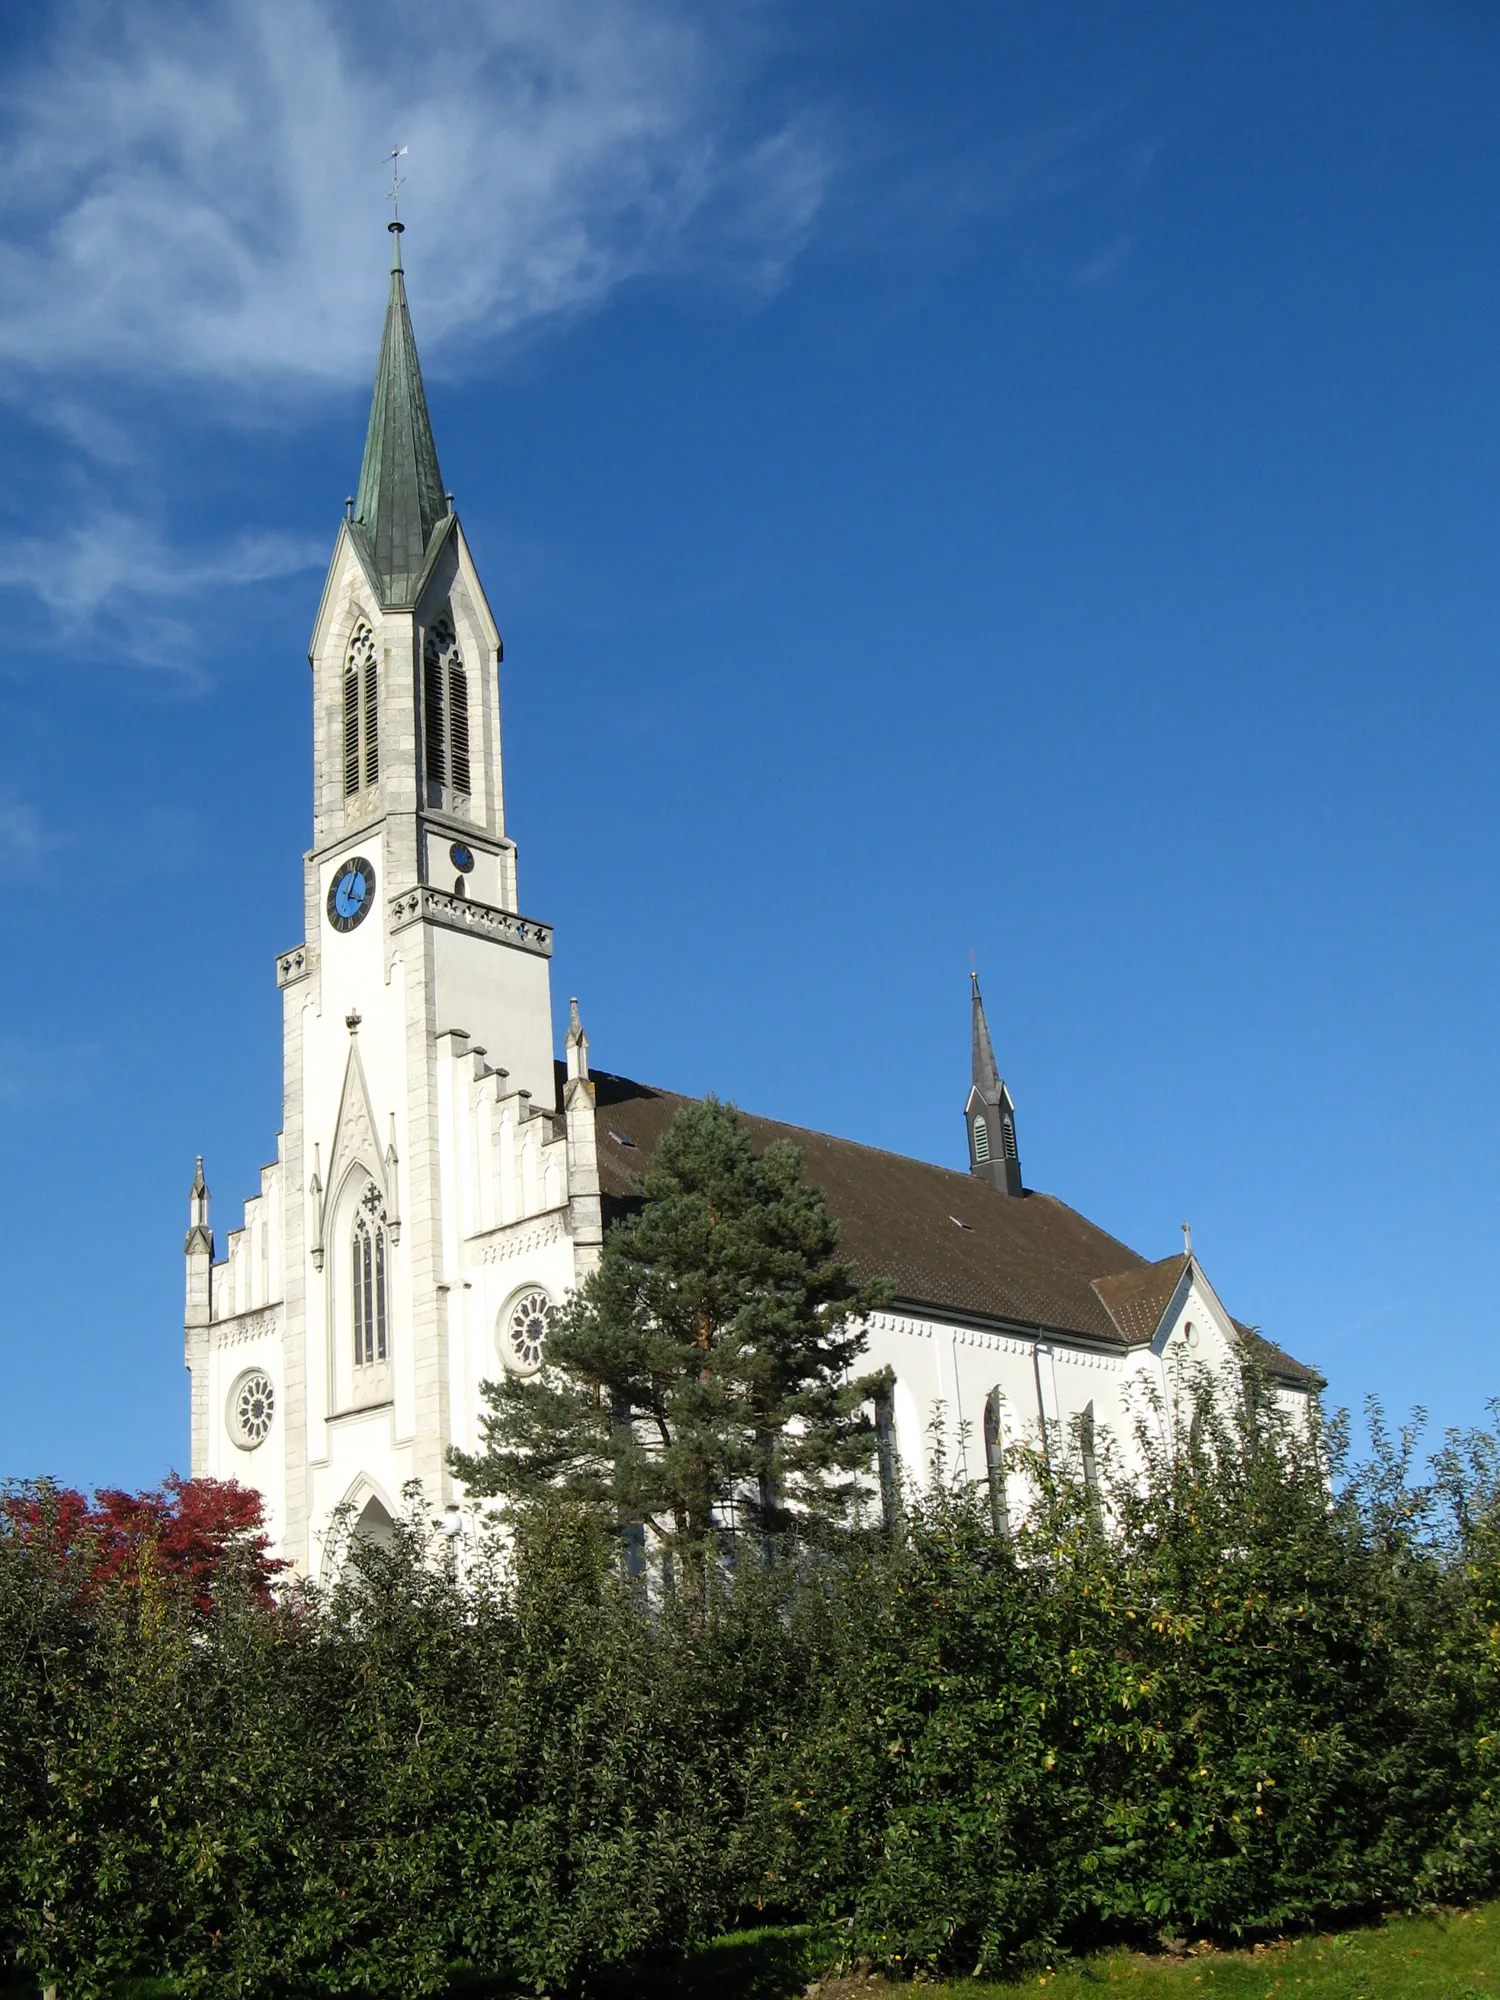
point(185, 1531)
point(702, 1376)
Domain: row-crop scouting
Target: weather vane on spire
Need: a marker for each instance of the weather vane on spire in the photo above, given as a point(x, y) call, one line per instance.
point(398, 181)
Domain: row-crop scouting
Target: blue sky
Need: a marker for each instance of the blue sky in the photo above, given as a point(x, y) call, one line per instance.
point(966, 478)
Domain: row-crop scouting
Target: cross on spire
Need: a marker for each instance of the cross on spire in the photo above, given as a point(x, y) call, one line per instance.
point(398, 181)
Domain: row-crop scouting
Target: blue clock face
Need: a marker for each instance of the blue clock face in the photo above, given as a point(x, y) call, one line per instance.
point(352, 894)
point(462, 857)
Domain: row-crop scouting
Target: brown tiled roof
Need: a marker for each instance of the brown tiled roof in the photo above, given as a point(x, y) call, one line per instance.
point(945, 1239)
point(1275, 1360)
point(1136, 1299)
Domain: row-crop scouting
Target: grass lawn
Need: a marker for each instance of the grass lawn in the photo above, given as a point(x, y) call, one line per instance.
point(1455, 1957)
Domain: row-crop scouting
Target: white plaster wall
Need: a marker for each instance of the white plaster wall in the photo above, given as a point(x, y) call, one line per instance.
point(252, 1341)
point(351, 977)
point(490, 879)
point(501, 997)
point(498, 1266)
point(363, 1451)
point(945, 1371)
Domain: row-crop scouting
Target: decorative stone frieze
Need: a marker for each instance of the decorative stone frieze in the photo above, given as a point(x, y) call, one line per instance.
point(1084, 1357)
point(966, 1336)
point(459, 913)
point(520, 1242)
point(247, 1327)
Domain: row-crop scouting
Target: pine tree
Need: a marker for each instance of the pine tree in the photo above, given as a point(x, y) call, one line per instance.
point(702, 1376)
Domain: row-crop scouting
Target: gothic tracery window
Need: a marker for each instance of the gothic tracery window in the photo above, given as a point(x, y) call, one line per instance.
point(445, 711)
point(361, 713)
point(252, 1405)
point(525, 1333)
point(368, 1280)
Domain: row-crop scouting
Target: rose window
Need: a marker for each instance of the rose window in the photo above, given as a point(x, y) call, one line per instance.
point(252, 1404)
point(526, 1331)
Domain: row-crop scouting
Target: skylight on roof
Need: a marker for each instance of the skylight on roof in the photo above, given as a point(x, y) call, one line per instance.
point(620, 1139)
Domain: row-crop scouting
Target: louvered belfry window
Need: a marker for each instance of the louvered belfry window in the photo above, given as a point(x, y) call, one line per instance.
point(458, 721)
point(361, 713)
point(445, 712)
point(981, 1141)
point(435, 735)
point(372, 726)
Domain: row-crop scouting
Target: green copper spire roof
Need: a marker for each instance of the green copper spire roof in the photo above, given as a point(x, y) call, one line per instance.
point(401, 497)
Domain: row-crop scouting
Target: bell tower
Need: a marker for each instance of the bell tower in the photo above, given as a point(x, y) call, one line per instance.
point(424, 1168)
point(413, 935)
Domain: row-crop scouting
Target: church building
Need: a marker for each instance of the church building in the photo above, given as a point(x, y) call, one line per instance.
point(440, 1180)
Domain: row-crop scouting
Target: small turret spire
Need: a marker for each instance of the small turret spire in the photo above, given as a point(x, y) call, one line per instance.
point(198, 1256)
point(199, 1236)
point(577, 1045)
point(990, 1111)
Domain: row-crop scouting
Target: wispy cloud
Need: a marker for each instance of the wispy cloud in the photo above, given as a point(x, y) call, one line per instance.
point(196, 189)
point(21, 838)
point(935, 187)
point(1101, 267)
point(112, 576)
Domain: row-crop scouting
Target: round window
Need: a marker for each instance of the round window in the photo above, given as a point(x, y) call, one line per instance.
point(252, 1404)
point(524, 1331)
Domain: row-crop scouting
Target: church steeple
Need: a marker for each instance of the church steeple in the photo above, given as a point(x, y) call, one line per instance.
point(990, 1111)
point(401, 499)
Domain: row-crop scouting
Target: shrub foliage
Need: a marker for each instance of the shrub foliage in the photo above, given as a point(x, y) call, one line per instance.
point(1254, 1688)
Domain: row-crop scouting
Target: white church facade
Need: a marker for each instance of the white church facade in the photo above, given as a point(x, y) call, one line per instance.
point(441, 1180)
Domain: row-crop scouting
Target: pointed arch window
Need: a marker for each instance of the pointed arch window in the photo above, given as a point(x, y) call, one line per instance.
point(1008, 1135)
point(1086, 1448)
point(994, 1460)
point(981, 1140)
point(361, 713)
point(445, 712)
point(885, 1456)
point(368, 1256)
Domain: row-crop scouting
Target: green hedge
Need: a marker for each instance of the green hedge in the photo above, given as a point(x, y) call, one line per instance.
point(1251, 1691)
